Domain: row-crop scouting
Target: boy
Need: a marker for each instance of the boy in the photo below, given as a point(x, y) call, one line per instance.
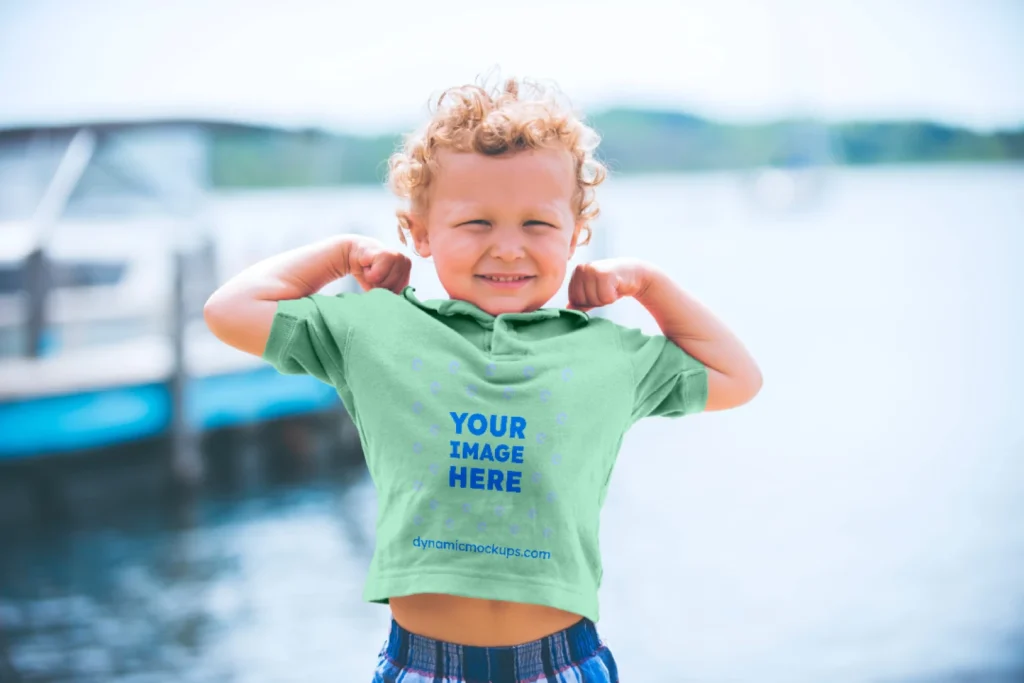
point(490, 424)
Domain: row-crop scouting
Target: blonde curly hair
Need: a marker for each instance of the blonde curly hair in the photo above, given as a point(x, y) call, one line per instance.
point(473, 118)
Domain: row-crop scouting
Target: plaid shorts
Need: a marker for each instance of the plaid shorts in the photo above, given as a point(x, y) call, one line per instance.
point(575, 654)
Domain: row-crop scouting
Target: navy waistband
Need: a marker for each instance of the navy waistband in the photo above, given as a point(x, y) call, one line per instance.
point(540, 658)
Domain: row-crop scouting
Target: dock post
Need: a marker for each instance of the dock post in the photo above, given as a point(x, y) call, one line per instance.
point(186, 456)
point(38, 281)
point(36, 267)
point(250, 457)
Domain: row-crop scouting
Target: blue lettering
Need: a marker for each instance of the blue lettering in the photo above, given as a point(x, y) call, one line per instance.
point(485, 454)
point(476, 478)
point(469, 449)
point(501, 452)
point(517, 454)
point(495, 431)
point(455, 448)
point(459, 419)
point(480, 421)
point(516, 430)
point(485, 479)
point(453, 477)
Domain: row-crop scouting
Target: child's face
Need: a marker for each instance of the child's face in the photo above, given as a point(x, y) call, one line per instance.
point(494, 216)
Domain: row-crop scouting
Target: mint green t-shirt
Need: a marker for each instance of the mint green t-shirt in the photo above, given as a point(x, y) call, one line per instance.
point(490, 439)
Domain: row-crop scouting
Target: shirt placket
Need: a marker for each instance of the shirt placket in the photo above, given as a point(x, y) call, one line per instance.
point(503, 341)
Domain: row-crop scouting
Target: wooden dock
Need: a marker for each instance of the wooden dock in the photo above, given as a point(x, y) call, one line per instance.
point(93, 397)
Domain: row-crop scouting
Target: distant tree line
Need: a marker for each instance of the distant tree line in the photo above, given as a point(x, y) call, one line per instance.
point(633, 141)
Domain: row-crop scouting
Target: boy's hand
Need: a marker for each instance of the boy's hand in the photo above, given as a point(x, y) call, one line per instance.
point(604, 282)
point(374, 265)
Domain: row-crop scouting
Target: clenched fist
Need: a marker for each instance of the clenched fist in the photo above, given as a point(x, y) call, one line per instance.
point(374, 265)
point(604, 282)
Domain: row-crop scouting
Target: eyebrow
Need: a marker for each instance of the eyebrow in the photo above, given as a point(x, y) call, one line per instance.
point(532, 213)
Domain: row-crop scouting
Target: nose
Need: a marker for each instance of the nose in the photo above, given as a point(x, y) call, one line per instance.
point(507, 244)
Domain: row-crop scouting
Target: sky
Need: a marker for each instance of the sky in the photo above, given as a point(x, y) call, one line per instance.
point(371, 67)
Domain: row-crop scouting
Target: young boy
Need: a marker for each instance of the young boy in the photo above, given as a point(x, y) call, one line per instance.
point(490, 424)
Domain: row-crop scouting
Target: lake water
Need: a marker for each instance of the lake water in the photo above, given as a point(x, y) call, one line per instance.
point(862, 520)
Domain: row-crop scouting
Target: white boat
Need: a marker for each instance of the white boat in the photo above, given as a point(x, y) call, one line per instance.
point(105, 263)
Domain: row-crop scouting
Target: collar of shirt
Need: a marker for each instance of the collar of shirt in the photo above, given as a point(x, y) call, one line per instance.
point(459, 307)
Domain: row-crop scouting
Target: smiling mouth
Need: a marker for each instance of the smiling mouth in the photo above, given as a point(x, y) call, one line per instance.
point(509, 278)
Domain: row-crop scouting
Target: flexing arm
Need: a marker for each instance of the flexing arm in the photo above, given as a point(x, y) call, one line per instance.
point(733, 376)
point(241, 311)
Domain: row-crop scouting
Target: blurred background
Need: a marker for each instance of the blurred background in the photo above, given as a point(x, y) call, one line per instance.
point(841, 182)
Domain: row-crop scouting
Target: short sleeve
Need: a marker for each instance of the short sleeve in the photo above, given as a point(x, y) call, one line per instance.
point(668, 382)
point(309, 336)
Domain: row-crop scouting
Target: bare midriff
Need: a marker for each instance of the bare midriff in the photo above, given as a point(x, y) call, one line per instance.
point(472, 621)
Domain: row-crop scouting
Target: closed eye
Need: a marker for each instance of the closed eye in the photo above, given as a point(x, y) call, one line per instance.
point(481, 221)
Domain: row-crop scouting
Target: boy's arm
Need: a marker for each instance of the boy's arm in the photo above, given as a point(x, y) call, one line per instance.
point(733, 376)
point(240, 313)
point(242, 310)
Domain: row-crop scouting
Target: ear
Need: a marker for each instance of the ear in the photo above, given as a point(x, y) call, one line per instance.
point(575, 239)
point(418, 232)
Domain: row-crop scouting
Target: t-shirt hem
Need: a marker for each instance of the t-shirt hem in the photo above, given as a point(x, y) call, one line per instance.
point(279, 339)
point(511, 589)
point(696, 396)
